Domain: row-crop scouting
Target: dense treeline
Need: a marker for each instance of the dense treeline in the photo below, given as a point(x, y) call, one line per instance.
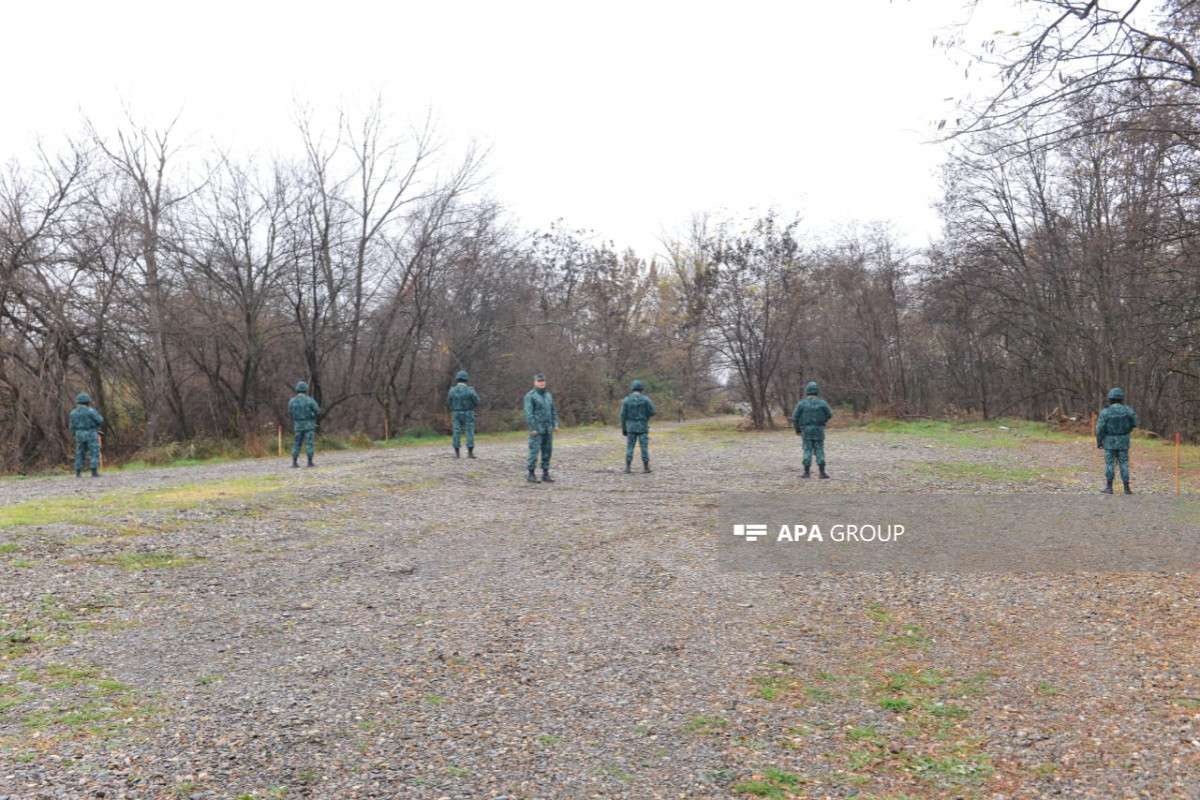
point(188, 292)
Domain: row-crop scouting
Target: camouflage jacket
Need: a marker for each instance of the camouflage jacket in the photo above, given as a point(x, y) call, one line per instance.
point(462, 398)
point(1113, 427)
point(304, 412)
point(540, 413)
point(636, 411)
point(810, 415)
point(85, 421)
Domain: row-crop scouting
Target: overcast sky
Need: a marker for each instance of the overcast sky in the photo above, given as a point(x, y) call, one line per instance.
point(621, 117)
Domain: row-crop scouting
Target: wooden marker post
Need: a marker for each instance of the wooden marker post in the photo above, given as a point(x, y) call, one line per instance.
point(280, 434)
point(1176, 462)
point(386, 436)
point(100, 448)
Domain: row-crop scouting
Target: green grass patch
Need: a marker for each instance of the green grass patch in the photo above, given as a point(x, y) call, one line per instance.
point(705, 725)
point(136, 562)
point(978, 434)
point(112, 510)
point(975, 471)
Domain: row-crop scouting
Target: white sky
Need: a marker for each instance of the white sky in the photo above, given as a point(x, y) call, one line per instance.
point(623, 117)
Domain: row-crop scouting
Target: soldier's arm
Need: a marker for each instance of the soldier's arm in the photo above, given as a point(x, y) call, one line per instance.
point(650, 409)
point(529, 412)
point(553, 412)
point(475, 396)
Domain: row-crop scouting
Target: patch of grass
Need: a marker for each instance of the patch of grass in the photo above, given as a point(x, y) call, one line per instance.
point(435, 699)
point(877, 612)
point(774, 784)
point(705, 725)
point(770, 688)
point(896, 704)
point(978, 434)
point(818, 694)
point(549, 740)
point(9, 547)
point(911, 635)
point(1186, 702)
point(617, 773)
point(458, 772)
point(112, 510)
point(975, 471)
point(952, 769)
point(136, 562)
point(1046, 689)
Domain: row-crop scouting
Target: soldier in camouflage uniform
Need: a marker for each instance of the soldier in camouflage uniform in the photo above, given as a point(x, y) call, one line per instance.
point(636, 411)
point(85, 422)
point(304, 412)
point(462, 400)
point(541, 417)
point(808, 420)
point(1112, 436)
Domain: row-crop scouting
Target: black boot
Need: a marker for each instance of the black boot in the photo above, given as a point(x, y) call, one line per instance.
point(821, 469)
point(470, 452)
point(806, 474)
point(310, 461)
point(78, 473)
point(295, 460)
point(532, 477)
point(456, 453)
point(645, 466)
point(1107, 489)
point(1127, 489)
point(95, 474)
point(546, 476)
point(628, 465)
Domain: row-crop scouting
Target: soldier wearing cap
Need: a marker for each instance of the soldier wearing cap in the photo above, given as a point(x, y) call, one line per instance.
point(808, 420)
point(1112, 436)
point(636, 411)
point(304, 412)
point(541, 418)
point(462, 400)
point(85, 422)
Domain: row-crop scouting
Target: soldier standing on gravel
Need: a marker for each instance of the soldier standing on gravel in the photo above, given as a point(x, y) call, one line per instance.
point(541, 417)
point(462, 400)
point(1112, 436)
point(636, 411)
point(85, 421)
point(304, 412)
point(808, 420)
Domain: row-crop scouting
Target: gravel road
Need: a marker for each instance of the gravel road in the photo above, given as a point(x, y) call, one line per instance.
point(398, 623)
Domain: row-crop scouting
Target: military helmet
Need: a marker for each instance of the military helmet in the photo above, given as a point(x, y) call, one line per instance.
point(462, 376)
point(1117, 395)
point(636, 386)
point(83, 399)
point(812, 388)
point(302, 387)
point(539, 377)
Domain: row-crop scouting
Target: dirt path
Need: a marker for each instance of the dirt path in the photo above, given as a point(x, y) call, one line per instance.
point(399, 623)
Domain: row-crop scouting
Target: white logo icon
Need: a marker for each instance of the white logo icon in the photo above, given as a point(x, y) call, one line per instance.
point(750, 532)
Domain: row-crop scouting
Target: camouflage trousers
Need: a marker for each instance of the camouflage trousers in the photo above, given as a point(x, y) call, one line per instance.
point(87, 446)
point(641, 439)
point(464, 422)
point(544, 443)
point(306, 437)
point(1111, 459)
point(814, 447)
